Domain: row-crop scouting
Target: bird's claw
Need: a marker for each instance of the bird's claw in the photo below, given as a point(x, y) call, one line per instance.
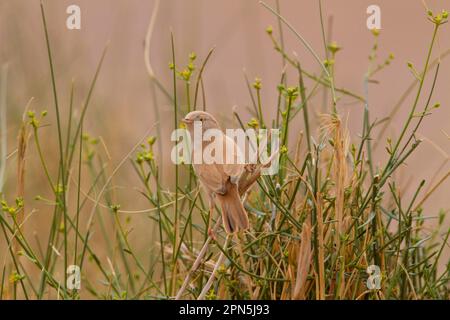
point(212, 234)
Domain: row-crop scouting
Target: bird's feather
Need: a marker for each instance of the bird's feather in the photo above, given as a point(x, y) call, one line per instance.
point(234, 216)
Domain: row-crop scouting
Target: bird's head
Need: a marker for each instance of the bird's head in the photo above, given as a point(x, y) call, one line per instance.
point(206, 119)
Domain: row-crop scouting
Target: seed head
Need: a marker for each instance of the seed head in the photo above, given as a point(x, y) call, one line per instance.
point(253, 123)
point(328, 62)
point(115, 207)
point(281, 87)
point(185, 74)
point(151, 140)
point(191, 66)
point(15, 277)
point(257, 84)
point(292, 92)
point(333, 47)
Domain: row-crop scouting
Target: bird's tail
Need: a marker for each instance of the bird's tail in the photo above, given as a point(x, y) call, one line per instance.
point(234, 215)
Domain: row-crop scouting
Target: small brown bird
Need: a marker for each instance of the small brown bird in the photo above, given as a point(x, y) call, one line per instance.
point(220, 180)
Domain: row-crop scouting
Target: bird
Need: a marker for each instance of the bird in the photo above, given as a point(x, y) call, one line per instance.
point(219, 180)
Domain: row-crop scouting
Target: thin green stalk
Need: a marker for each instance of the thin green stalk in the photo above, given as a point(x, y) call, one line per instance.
point(161, 240)
point(260, 113)
point(366, 120)
point(305, 107)
point(188, 97)
point(86, 104)
point(308, 47)
point(279, 99)
point(69, 122)
point(419, 91)
point(3, 125)
point(176, 213)
point(280, 28)
point(60, 141)
point(249, 88)
point(77, 216)
point(14, 260)
point(199, 78)
point(322, 27)
point(3, 282)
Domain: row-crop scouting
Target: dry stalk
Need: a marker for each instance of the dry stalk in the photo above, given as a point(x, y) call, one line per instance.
point(304, 263)
point(321, 248)
point(213, 274)
point(197, 262)
point(22, 142)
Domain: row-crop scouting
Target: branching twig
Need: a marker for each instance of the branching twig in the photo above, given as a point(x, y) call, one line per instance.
point(216, 267)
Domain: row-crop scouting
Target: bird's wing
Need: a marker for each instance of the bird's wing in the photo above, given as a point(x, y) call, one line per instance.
point(211, 176)
point(232, 150)
point(214, 176)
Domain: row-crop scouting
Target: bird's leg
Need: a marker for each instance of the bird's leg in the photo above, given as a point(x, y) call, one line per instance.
point(211, 232)
point(211, 212)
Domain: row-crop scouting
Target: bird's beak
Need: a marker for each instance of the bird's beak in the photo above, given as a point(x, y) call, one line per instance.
point(186, 121)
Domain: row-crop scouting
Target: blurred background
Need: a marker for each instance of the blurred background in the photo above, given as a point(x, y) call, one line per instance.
point(122, 106)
